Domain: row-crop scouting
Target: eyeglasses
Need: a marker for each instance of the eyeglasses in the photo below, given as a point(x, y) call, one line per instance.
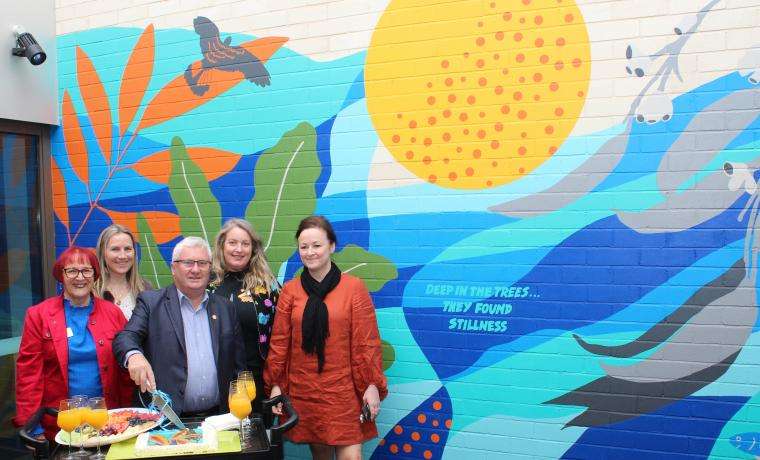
point(189, 263)
point(72, 273)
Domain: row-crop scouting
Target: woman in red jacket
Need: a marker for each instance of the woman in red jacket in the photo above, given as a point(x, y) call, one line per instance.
point(66, 345)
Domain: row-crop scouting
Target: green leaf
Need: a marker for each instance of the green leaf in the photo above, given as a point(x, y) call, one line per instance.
point(375, 270)
point(285, 192)
point(389, 355)
point(152, 264)
point(199, 211)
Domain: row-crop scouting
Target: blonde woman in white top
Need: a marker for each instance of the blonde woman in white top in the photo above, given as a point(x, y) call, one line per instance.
point(119, 281)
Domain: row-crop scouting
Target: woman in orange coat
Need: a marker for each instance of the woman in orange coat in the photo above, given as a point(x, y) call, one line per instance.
point(66, 345)
point(325, 351)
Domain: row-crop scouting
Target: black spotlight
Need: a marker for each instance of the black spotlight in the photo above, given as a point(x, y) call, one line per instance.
point(27, 46)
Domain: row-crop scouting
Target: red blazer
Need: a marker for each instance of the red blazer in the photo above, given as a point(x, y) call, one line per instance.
point(42, 364)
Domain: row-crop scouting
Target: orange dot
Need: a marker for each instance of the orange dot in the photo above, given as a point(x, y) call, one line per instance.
point(452, 97)
point(462, 79)
point(393, 448)
point(448, 421)
point(430, 100)
point(413, 139)
point(413, 124)
point(432, 178)
point(435, 422)
point(520, 57)
point(397, 429)
point(445, 64)
point(480, 23)
point(469, 171)
point(499, 89)
point(526, 2)
point(427, 454)
point(459, 149)
point(431, 121)
point(549, 129)
point(494, 163)
point(480, 41)
point(498, 126)
point(552, 149)
point(537, 77)
point(409, 154)
point(407, 448)
point(482, 81)
point(466, 54)
point(554, 86)
point(452, 176)
point(538, 20)
point(427, 142)
point(559, 111)
point(415, 436)
point(523, 134)
point(398, 115)
point(465, 131)
point(493, 5)
point(506, 16)
point(446, 161)
point(560, 41)
point(480, 63)
point(504, 71)
point(576, 62)
point(489, 183)
point(434, 437)
point(543, 59)
point(522, 79)
point(517, 95)
point(496, 56)
point(494, 144)
point(448, 82)
point(430, 84)
point(499, 35)
point(522, 150)
point(522, 114)
point(505, 109)
point(396, 138)
point(521, 170)
point(463, 116)
point(470, 99)
point(568, 17)
point(522, 20)
point(446, 113)
point(476, 153)
point(481, 133)
point(518, 36)
point(559, 65)
point(437, 405)
point(426, 160)
point(539, 42)
point(580, 93)
point(481, 114)
point(536, 97)
point(446, 137)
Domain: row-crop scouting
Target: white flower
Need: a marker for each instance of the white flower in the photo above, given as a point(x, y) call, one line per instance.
point(654, 107)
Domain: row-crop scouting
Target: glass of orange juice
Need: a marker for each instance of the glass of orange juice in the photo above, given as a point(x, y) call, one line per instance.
point(97, 418)
point(240, 405)
point(81, 403)
point(69, 418)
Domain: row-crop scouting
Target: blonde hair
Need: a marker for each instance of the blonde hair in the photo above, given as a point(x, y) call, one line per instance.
point(134, 280)
point(258, 272)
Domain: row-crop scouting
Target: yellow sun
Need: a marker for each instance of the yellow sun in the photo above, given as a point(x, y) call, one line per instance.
point(473, 94)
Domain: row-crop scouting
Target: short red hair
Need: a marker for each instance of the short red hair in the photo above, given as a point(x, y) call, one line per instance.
point(76, 254)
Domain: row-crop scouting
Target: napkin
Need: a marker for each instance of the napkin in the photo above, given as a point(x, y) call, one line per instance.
point(223, 422)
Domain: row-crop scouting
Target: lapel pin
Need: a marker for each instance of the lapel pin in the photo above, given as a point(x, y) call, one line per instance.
point(213, 316)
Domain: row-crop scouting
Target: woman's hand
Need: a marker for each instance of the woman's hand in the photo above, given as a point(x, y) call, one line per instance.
point(372, 399)
point(276, 410)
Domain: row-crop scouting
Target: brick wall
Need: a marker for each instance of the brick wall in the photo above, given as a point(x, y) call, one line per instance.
point(552, 202)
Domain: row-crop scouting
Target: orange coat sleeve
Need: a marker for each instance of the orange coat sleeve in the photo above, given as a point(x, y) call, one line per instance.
point(278, 359)
point(366, 351)
point(29, 364)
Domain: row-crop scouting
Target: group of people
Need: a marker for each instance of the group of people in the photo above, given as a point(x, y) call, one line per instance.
point(110, 334)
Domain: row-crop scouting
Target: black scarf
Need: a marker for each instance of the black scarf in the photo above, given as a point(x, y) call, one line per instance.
point(314, 325)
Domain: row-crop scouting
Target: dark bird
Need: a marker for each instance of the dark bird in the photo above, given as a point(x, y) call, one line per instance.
point(218, 54)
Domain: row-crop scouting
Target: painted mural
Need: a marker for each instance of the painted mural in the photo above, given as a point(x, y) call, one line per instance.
point(548, 285)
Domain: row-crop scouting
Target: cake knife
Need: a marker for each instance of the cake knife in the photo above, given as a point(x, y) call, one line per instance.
point(166, 409)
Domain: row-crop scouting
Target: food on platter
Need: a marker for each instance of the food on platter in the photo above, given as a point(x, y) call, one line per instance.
point(177, 441)
point(122, 424)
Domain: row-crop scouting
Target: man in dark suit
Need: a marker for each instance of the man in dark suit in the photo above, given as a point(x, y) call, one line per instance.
point(183, 341)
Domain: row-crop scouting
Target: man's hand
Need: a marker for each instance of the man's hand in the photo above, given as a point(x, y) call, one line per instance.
point(276, 410)
point(372, 399)
point(141, 372)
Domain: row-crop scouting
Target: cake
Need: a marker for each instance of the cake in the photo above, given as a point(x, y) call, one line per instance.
point(200, 440)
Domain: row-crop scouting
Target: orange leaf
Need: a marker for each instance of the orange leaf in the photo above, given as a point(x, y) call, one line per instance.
point(213, 162)
point(74, 140)
point(135, 79)
point(60, 200)
point(177, 98)
point(96, 102)
point(164, 225)
point(127, 219)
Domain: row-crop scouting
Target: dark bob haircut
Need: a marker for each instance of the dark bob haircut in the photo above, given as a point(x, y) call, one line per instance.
point(76, 254)
point(318, 222)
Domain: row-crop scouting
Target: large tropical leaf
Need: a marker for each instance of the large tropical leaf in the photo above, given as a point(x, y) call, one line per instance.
point(165, 225)
point(374, 269)
point(73, 139)
point(198, 209)
point(213, 162)
point(96, 101)
point(285, 193)
point(135, 79)
point(152, 264)
point(176, 97)
point(60, 198)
